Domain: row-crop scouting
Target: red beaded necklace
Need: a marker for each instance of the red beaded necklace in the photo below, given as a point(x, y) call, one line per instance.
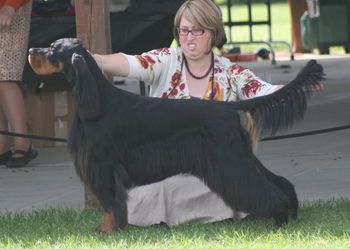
point(203, 76)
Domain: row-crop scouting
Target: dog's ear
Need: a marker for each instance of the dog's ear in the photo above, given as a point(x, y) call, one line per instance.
point(85, 91)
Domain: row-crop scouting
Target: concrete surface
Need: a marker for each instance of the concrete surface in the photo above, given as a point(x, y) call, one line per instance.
point(318, 165)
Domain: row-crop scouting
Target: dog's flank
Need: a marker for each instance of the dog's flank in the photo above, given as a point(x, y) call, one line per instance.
point(119, 139)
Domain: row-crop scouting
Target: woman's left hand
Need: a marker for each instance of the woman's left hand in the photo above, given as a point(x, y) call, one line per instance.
point(6, 14)
point(318, 88)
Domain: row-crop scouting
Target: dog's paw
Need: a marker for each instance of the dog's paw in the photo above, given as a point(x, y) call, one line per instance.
point(293, 213)
point(280, 220)
point(105, 229)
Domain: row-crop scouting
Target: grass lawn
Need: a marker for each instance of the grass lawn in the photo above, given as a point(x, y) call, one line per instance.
point(321, 225)
point(280, 18)
point(280, 27)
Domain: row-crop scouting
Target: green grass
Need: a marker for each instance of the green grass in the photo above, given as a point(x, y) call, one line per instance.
point(280, 27)
point(324, 224)
point(280, 18)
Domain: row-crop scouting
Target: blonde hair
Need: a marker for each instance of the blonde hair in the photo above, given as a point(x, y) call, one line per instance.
point(204, 14)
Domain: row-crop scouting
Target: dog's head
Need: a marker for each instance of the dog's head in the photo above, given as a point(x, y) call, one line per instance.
point(68, 56)
point(55, 58)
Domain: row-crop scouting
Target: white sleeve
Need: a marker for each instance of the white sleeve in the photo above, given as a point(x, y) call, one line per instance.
point(250, 86)
point(148, 66)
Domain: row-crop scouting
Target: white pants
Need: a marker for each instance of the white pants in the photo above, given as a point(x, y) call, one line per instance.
point(175, 200)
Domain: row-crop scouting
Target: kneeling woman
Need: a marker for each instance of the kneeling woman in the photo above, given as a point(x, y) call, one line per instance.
point(191, 70)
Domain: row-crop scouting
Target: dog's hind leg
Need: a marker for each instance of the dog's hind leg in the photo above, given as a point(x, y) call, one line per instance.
point(246, 189)
point(284, 185)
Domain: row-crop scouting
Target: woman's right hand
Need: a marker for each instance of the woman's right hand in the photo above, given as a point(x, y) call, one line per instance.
point(112, 64)
point(6, 14)
point(98, 59)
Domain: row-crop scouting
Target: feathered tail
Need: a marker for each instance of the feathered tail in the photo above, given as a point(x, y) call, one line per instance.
point(282, 108)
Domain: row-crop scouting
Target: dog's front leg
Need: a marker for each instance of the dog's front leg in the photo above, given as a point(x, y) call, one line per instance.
point(114, 219)
point(110, 191)
point(108, 225)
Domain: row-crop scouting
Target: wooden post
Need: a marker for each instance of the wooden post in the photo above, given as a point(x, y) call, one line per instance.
point(93, 28)
point(297, 8)
point(93, 25)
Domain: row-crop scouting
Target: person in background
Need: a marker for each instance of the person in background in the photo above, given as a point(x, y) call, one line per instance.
point(190, 70)
point(14, 32)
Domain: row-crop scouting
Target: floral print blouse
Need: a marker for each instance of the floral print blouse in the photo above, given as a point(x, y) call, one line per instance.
point(163, 70)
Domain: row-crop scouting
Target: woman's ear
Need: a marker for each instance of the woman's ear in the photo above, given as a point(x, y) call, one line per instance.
point(86, 93)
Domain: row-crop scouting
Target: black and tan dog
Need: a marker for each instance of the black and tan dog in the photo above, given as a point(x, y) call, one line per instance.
point(119, 140)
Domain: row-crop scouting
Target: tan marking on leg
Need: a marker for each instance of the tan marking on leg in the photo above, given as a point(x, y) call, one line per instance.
point(108, 225)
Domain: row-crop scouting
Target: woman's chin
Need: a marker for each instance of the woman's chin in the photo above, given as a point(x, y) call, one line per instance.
point(192, 54)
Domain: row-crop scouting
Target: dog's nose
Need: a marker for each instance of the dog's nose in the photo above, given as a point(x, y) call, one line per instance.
point(32, 51)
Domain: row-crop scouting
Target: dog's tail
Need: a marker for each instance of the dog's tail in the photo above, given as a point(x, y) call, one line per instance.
point(282, 108)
